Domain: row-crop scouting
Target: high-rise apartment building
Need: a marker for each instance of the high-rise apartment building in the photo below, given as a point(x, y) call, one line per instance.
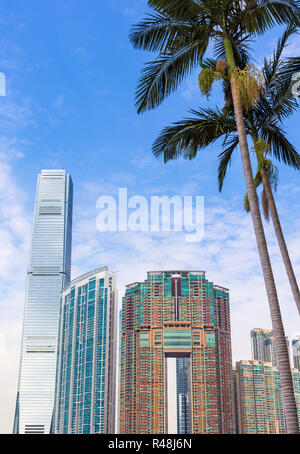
point(48, 272)
point(263, 346)
point(85, 384)
point(296, 352)
point(235, 400)
point(296, 381)
point(176, 366)
point(259, 401)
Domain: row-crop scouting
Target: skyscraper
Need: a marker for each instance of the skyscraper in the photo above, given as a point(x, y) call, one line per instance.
point(48, 271)
point(296, 352)
point(176, 369)
point(259, 401)
point(263, 346)
point(258, 395)
point(85, 385)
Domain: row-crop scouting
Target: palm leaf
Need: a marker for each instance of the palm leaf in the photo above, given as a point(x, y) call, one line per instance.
point(158, 31)
point(259, 16)
point(162, 76)
point(280, 146)
point(272, 66)
point(186, 137)
point(190, 9)
point(225, 160)
point(288, 69)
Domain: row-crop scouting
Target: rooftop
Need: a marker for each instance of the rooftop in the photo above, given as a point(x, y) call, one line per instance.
point(85, 276)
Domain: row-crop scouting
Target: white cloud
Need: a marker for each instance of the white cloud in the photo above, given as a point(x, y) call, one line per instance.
point(82, 52)
point(58, 102)
point(14, 236)
point(227, 254)
point(292, 49)
point(12, 114)
point(190, 89)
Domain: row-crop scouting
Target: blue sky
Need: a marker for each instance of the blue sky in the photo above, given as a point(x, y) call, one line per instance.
point(71, 76)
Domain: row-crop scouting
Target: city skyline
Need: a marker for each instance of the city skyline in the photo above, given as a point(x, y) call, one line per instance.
point(262, 341)
point(67, 106)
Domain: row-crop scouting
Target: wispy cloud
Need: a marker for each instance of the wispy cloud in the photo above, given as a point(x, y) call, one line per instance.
point(14, 240)
point(228, 255)
point(82, 52)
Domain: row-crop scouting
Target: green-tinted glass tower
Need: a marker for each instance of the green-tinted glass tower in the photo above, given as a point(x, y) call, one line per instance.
point(86, 367)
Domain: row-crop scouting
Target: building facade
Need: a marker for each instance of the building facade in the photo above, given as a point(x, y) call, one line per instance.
point(176, 366)
point(296, 352)
point(259, 401)
point(296, 381)
point(86, 367)
point(48, 272)
point(263, 346)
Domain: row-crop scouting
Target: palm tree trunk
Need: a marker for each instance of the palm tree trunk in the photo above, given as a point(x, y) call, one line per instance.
point(281, 241)
point(286, 381)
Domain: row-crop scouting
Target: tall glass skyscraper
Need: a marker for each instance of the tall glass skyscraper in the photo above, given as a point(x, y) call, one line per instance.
point(176, 366)
point(48, 272)
point(183, 395)
point(85, 386)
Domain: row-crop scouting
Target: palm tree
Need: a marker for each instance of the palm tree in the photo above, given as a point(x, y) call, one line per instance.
point(262, 122)
point(268, 175)
point(180, 31)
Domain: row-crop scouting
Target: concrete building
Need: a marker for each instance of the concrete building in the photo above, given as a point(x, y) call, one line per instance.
point(176, 366)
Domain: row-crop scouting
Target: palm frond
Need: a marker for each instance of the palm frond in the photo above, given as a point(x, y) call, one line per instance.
point(261, 15)
point(162, 76)
point(186, 137)
point(240, 49)
point(271, 66)
point(225, 159)
point(209, 63)
point(158, 31)
point(276, 101)
point(190, 9)
point(290, 66)
point(280, 147)
point(274, 107)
